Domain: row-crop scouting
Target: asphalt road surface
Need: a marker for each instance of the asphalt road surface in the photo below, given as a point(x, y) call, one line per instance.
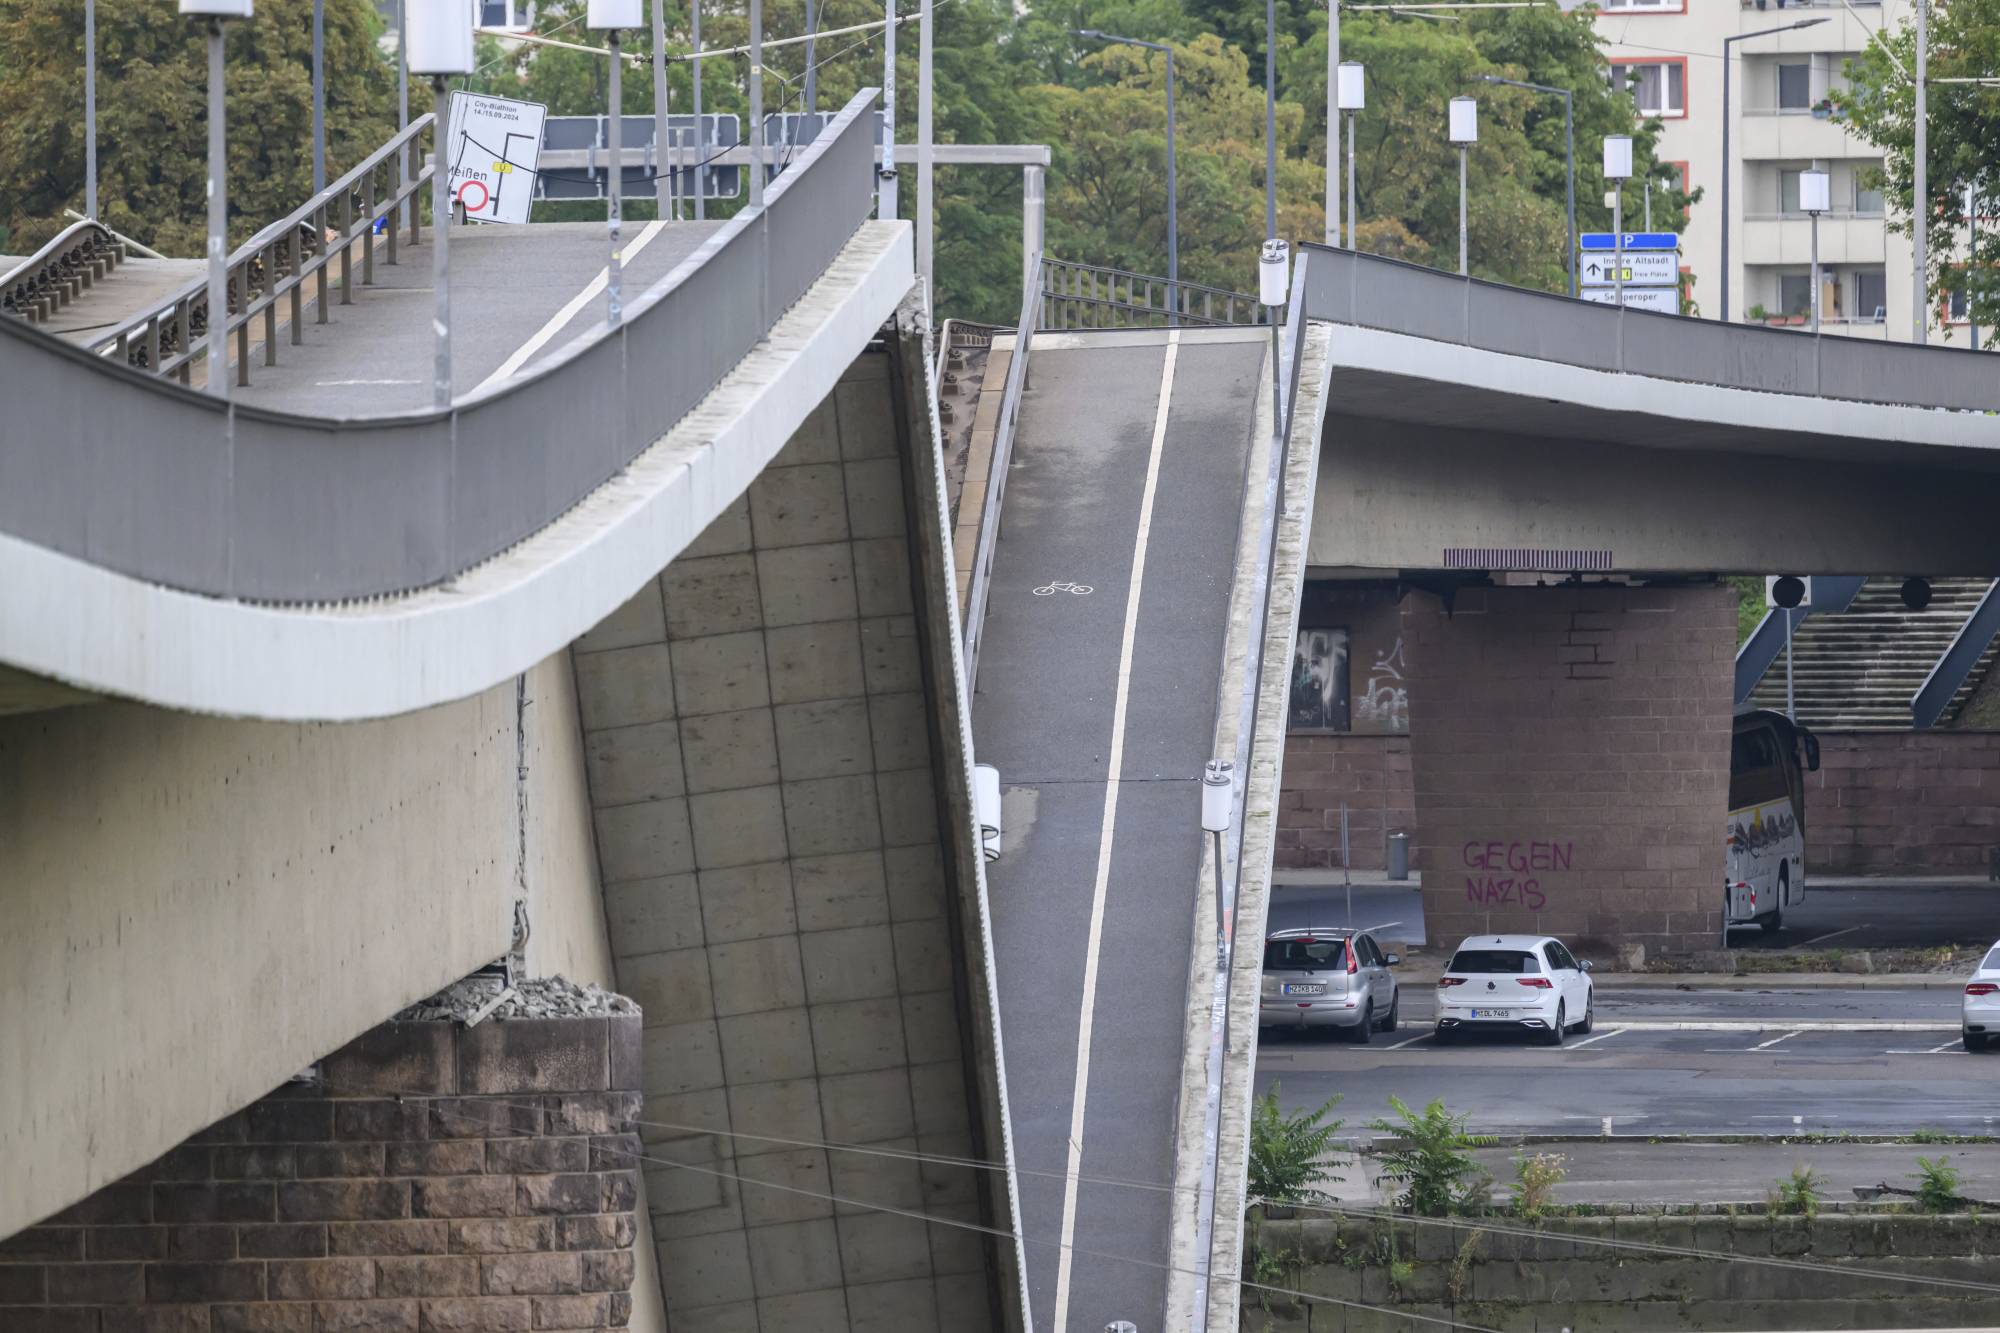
point(1671, 1062)
point(1883, 918)
point(1388, 914)
point(1092, 918)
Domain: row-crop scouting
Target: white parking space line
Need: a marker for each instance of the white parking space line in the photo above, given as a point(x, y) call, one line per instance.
point(1833, 935)
point(1788, 1026)
point(1108, 829)
point(1602, 1036)
point(1765, 1045)
point(1407, 1041)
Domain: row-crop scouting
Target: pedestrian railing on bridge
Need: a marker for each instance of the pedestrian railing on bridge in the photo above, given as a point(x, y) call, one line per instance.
point(1090, 296)
point(60, 272)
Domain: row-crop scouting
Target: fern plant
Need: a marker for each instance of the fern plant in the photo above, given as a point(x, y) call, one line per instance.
point(1432, 1160)
point(1287, 1151)
point(1937, 1186)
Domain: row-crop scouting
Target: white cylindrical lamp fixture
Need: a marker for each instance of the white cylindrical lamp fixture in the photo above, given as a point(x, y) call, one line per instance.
point(604, 14)
point(1218, 790)
point(215, 9)
point(1464, 120)
point(1274, 277)
point(1617, 157)
point(1351, 93)
point(439, 36)
point(986, 807)
point(1815, 191)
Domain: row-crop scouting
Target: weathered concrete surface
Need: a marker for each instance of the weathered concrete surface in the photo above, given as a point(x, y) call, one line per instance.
point(197, 908)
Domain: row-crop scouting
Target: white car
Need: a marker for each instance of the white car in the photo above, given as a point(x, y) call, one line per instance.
point(1527, 983)
point(1980, 1020)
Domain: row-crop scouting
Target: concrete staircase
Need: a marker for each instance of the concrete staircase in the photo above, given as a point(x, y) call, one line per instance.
point(1859, 668)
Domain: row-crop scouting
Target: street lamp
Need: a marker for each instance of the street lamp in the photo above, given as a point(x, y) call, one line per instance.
point(1173, 185)
point(1352, 88)
point(216, 11)
point(440, 34)
point(1218, 784)
point(1464, 124)
point(611, 17)
point(1618, 169)
point(1726, 80)
point(1815, 194)
point(1569, 153)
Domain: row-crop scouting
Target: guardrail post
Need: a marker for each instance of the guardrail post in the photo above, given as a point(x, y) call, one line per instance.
point(416, 179)
point(395, 165)
point(296, 255)
point(346, 247)
point(368, 229)
point(319, 264)
point(239, 296)
point(271, 305)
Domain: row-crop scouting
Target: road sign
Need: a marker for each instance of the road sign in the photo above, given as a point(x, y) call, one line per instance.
point(1771, 583)
point(493, 148)
point(584, 170)
point(1663, 299)
point(1634, 240)
point(1643, 268)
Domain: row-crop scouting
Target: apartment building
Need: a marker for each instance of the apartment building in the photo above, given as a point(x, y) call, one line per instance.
point(1780, 124)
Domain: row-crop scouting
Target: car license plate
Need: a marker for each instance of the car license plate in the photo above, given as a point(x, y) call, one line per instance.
point(1492, 1013)
point(1304, 990)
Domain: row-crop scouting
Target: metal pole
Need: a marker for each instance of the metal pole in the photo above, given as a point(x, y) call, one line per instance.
point(700, 134)
point(885, 176)
point(440, 254)
point(1463, 270)
point(1649, 205)
point(218, 223)
point(663, 189)
point(1920, 210)
point(319, 95)
point(403, 84)
point(1270, 119)
point(1972, 251)
point(756, 103)
point(1173, 206)
point(925, 104)
point(1791, 700)
point(1569, 150)
point(1221, 920)
point(1351, 242)
point(90, 108)
point(1032, 188)
point(1726, 316)
point(812, 65)
point(1618, 243)
point(613, 286)
point(1332, 124)
point(1815, 274)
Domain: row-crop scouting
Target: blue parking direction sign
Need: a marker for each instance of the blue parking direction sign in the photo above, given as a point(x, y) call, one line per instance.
point(1634, 240)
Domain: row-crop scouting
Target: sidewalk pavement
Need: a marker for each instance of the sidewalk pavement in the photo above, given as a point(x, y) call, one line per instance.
point(1424, 969)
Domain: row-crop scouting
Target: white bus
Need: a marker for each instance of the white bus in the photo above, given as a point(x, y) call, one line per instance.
point(1764, 866)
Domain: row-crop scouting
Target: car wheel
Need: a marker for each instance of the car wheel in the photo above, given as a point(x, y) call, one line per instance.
point(1555, 1036)
point(1389, 1019)
point(1589, 1015)
point(1974, 1041)
point(1362, 1031)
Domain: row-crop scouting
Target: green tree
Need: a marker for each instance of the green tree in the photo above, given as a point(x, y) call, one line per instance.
point(1961, 146)
point(152, 136)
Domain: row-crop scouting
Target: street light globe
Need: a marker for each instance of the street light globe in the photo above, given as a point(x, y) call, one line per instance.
point(1218, 786)
point(1351, 92)
point(216, 9)
point(1464, 120)
point(605, 14)
point(440, 37)
point(1617, 157)
point(1815, 191)
point(1273, 275)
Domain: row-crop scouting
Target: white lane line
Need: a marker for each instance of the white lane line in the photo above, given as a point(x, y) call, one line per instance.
point(1833, 935)
point(1794, 1026)
point(1579, 1045)
point(1407, 1041)
point(1107, 829)
point(1765, 1045)
point(591, 290)
point(1947, 1046)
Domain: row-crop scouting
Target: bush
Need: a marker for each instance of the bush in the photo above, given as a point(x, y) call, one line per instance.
point(1535, 1181)
point(1432, 1160)
point(1798, 1195)
point(1937, 1186)
point(1286, 1151)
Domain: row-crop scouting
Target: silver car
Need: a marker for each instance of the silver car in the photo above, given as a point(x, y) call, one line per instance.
point(1334, 979)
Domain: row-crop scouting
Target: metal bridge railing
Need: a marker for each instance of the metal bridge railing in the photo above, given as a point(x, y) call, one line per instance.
point(60, 272)
point(1090, 296)
point(276, 263)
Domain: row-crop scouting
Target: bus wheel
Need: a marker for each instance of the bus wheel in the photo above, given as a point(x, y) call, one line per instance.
point(1775, 921)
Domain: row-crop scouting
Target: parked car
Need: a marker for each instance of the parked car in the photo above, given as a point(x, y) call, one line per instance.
point(1524, 983)
point(1980, 1021)
point(1336, 979)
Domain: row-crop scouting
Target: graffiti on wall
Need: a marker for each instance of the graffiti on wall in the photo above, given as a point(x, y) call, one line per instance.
point(1386, 701)
point(1508, 873)
point(1319, 681)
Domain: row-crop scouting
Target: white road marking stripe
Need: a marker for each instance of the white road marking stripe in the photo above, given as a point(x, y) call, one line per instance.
point(1792, 1026)
point(1833, 935)
point(1106, 831)
point(1407, 1041)
point(1579, 1045)
point(1763, 1045)
point(591, 291)
point(1946, 1046)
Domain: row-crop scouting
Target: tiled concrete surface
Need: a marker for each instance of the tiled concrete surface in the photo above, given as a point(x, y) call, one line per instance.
point(767, 824)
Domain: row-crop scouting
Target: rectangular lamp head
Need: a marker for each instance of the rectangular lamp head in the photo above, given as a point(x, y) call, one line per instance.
point(1351, 86)
point(1274, 272)
point(1464, 120)
point(440, 36)
point(1815, 191)
point(616, 14)
point(216, 9)
point(1617, 157)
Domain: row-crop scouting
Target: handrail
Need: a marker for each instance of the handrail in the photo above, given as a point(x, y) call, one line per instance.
point(258, 505)
point(1065, 297)
point(980, 586)
point(68, 263)
point(276, 262)
point(1950, 671)
point(1831, 594)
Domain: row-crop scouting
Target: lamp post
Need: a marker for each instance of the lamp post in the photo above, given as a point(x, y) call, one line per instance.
point(662, 131)
point(700, 134)
point(90, 108)
point(1815, 193)
point(612, 17)
point(1618, 170)
point(1271, 118)
point(885, 174)
point(1464, 125)
point(1332, 124)
point(216, 11)
point(440, 34)
point(1352, 97)
point(319, 95)
point(1569, 154)
point(1726, 81)
point(1920, 213)
point(1173, 186)
point(756, 104)
point(1218, 779)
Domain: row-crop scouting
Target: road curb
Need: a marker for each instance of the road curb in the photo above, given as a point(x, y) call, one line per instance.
point(1608, 1026)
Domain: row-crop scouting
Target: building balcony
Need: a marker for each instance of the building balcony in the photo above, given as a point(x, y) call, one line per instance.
point(1844, 238)
point(1769, 134)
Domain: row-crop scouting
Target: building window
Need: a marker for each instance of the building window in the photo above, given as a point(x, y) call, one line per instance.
point(1643, 6)
point(1795, 293)
point(1871, 295)
point(1319, 681)
point(1658, 87)
point(518, 15)
point(1795, 87)
point(1867, 198)
point(1788, 190)
point(1955, 305)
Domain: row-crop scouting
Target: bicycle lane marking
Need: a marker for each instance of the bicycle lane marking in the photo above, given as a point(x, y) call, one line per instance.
point(1106, 831)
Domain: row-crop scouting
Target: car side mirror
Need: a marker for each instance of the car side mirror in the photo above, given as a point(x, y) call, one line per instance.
point(1587, 965)
point(1391, 959)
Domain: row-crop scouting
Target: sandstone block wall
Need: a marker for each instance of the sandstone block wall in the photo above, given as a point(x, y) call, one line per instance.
point(431, 1179)
point(1903, 802)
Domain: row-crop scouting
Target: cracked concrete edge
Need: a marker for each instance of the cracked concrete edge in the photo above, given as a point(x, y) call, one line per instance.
point(1260, 818)
point(1191, 1115)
